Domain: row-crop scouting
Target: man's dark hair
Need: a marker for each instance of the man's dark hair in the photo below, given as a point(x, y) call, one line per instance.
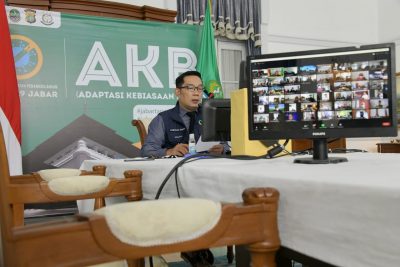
point(179, 80)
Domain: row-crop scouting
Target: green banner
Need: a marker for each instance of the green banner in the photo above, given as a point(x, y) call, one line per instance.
point(106, 70)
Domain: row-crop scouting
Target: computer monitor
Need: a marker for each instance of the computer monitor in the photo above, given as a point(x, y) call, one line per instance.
point(216, 117)
point(321, 94)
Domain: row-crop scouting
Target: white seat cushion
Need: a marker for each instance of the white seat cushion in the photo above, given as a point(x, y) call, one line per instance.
point(78, 185)
point(50, 174)
point(157, 222)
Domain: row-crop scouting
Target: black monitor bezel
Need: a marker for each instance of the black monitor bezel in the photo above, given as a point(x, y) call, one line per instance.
point(327, 132)
point(213, 110)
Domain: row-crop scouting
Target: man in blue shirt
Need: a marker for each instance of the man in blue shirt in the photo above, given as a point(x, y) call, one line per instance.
point(168, 132)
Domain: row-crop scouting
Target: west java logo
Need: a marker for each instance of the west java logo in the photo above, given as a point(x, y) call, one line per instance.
point(14, 15)
point(319, 134)
point(47, 19)
point(214, 88)
point(28, 56)
point(30, 16)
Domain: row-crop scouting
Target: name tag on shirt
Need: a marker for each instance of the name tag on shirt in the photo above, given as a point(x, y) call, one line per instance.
point(177, 130)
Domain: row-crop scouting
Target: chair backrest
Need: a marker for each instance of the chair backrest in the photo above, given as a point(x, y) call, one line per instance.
point(141, 128)
point(6, 215)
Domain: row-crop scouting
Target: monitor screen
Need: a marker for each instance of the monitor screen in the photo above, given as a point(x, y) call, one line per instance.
point(216, 116)
point(320, 94)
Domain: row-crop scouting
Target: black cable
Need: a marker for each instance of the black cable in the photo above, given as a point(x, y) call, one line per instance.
point(176, 178)
point(180, 163)
point(346, 150)
point(276, 149)
point(286, 142)
point(287, 153)
point(176, 183)
point(201, 156)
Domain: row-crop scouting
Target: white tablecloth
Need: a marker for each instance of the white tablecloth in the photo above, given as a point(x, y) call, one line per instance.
point(346, 214)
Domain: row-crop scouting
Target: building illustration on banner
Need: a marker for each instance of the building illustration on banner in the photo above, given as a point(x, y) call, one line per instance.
point(82, 139)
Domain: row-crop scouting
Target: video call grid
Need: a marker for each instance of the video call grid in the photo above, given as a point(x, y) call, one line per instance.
point(342, 91)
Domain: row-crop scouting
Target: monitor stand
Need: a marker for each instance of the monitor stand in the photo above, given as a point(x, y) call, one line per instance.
point(320, 154)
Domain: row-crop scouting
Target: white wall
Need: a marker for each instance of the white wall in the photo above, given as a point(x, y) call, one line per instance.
point(389, 22)
point(289, 25)
point(329, 21)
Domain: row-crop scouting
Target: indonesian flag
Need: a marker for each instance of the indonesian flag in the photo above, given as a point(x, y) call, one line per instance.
point(10, 108)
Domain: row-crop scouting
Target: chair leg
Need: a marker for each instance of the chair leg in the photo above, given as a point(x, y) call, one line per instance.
point(99, 202)
point(229, 254)
point(262, 255)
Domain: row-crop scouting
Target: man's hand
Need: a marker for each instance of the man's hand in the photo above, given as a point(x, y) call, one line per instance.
point(179, 150)
point(217, 149)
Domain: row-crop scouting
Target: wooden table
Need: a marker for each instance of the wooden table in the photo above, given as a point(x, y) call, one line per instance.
point(388, 147)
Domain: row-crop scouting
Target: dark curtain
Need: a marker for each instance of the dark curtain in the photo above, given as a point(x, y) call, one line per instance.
point(233, 19)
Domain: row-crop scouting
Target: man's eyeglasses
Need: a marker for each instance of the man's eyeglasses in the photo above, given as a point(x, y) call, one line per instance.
point(191, 88)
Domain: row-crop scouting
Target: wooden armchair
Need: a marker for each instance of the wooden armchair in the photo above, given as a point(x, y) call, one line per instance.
point(141, 130)
point(58, 185)
point(32, 188)
point(93, 239)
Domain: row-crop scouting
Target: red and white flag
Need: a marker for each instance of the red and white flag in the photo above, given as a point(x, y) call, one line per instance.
point(10, 107)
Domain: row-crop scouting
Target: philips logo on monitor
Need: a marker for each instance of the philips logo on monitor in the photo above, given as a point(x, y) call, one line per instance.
point(319, 134)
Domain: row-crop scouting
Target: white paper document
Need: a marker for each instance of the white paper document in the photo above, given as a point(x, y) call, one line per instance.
point(204, 146)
